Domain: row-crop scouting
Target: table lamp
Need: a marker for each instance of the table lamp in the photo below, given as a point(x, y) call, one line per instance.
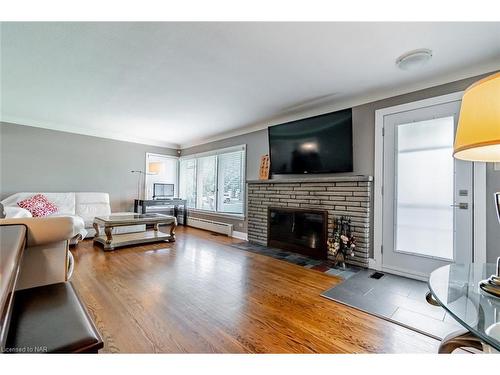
point(478, 139)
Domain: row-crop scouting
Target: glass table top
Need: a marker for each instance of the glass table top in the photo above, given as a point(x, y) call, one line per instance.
point(456, 288)
point(131, 217)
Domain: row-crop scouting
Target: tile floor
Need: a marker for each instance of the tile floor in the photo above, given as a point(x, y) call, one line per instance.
point(395, 298)
point(391, 297)
point(298, 259)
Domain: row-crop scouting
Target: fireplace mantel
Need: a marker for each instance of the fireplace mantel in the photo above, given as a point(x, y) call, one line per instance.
point(296, 180)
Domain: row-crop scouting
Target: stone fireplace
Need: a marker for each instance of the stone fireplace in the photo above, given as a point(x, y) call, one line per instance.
point(329, 196)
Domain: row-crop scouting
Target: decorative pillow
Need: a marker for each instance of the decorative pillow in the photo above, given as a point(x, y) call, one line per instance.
point(38, 205)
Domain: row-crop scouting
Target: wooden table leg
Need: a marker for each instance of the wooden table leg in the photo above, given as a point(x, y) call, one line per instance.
point(172, 231)
point(96, 228)
point(109, 236)
point(459, 339)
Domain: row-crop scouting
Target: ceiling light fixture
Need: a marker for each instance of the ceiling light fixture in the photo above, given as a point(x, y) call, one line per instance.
point(414, 59)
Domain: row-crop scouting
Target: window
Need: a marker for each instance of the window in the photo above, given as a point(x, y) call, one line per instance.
point(206, 183)
point(187, 181)
point(165, 172)
point(214, 181)
point(231, 182)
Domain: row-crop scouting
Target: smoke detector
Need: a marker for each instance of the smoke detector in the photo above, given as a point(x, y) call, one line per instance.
point(414, 59)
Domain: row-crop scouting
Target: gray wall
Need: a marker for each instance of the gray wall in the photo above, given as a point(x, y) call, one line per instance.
point(257, 146)
point(364, 146)
point(34, 159)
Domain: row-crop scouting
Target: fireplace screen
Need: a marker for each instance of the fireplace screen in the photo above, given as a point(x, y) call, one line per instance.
point(299, 230)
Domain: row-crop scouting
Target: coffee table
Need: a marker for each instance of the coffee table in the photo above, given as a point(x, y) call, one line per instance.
point(111, 241)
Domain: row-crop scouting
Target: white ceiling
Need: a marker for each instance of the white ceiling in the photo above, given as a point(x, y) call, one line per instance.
point(179, 84)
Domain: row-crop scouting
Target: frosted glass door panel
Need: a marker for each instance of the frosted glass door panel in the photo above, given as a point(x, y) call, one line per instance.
point(424, 188)
point(421, 229)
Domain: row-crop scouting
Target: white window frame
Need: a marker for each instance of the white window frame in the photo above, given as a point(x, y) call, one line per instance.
point(217, 152)
point(146, 166)
point(479, 183)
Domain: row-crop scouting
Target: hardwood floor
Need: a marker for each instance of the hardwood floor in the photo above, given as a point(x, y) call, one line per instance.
point(199, 295)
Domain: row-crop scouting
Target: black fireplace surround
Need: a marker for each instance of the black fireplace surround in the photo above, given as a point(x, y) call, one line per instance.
point(299, 230)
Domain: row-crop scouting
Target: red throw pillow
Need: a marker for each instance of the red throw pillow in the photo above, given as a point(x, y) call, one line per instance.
point(38, 205)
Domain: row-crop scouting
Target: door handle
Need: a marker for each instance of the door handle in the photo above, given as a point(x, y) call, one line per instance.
point(462, 206)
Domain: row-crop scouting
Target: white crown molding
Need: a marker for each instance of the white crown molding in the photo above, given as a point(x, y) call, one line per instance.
point(90, 132)
point(350, 102)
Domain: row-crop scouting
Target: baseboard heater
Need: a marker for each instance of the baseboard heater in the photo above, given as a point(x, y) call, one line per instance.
point(212, 226)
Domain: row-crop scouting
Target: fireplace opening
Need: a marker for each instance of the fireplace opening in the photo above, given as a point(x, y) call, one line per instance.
point(299, 230)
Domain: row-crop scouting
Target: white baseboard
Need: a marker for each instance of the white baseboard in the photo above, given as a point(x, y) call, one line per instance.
point(406, 273)
point(240, 235)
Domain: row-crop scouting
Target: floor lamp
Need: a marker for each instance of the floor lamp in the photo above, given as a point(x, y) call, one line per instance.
point(478, 139)
point(154, 168)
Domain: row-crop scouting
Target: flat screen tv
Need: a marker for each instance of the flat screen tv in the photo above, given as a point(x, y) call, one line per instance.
point(320, 144)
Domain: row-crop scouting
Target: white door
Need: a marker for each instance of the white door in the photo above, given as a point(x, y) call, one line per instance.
point(166, 174)
point(427, 194)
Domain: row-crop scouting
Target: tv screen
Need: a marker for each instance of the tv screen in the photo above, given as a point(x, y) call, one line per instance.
point(320, 144)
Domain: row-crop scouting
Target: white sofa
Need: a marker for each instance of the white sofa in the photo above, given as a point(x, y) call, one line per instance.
point(81, 207)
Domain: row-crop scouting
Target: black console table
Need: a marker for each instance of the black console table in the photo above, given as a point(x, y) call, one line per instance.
point(144, 206)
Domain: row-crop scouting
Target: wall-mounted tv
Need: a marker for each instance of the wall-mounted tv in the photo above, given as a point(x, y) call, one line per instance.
point(320, 144)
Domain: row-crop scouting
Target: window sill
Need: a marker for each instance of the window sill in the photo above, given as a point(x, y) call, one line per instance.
point(219, 214)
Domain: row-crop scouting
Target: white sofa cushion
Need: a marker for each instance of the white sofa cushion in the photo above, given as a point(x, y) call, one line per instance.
point(65, 202)
point(90, 205)
point(16, 212)
point(79, 225)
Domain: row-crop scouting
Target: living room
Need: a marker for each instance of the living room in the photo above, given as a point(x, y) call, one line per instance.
point(232, 187)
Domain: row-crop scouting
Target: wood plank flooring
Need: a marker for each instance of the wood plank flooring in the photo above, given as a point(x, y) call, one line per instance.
point(199, 295)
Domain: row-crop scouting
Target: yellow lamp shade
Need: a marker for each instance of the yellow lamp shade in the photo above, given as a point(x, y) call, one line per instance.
point(154, 167)
point(478, 132)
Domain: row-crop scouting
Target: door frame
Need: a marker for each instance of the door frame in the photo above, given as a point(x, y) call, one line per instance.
point(479, 188)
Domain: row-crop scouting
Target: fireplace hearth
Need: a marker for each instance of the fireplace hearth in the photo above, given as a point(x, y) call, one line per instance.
point(303, 231)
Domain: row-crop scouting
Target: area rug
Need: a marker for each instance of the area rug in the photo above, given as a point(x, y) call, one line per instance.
point(396, 299)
